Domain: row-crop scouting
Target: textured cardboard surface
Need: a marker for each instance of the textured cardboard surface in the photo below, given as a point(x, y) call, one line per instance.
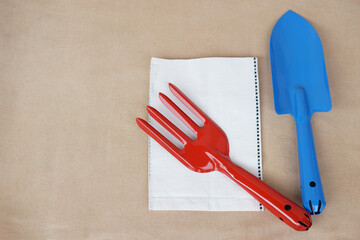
point(75, 74)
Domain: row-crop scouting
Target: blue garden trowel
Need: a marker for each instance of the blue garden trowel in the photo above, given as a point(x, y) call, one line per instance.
point(301, 88)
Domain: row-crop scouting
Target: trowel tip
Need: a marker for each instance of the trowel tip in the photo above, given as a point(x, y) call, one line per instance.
point(290, 12)
point(290, 17)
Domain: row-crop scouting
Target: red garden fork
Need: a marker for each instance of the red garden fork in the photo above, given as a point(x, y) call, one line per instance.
point(210, 152)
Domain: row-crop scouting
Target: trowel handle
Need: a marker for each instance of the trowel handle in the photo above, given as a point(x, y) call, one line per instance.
point(311, 187)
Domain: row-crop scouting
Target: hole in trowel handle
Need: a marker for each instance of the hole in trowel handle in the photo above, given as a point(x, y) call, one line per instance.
point(312, 184)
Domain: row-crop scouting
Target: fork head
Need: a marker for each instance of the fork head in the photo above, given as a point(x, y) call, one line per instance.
point(199, 155)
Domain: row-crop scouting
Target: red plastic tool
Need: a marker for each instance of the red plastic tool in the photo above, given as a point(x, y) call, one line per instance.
point(210, 152)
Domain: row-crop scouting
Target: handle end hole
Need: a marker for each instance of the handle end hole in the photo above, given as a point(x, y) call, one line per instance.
point(287, 207)
point(312, 184)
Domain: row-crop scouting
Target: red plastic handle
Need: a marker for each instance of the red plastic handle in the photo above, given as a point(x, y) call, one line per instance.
point(285, 209)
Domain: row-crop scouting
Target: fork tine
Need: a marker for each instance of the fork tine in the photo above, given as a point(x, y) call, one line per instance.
point(182, 137)
point(179, 113)
point(188, 103)
point(163, 141)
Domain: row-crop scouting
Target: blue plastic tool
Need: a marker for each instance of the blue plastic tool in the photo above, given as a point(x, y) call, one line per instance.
point(301, 88)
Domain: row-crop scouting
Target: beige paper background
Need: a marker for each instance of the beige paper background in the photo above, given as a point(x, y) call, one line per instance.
point(75, 74)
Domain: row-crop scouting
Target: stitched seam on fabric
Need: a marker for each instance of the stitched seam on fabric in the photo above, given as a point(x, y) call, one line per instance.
point(257, 117)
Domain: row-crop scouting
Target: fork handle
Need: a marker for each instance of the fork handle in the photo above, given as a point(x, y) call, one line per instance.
point(285, 209)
